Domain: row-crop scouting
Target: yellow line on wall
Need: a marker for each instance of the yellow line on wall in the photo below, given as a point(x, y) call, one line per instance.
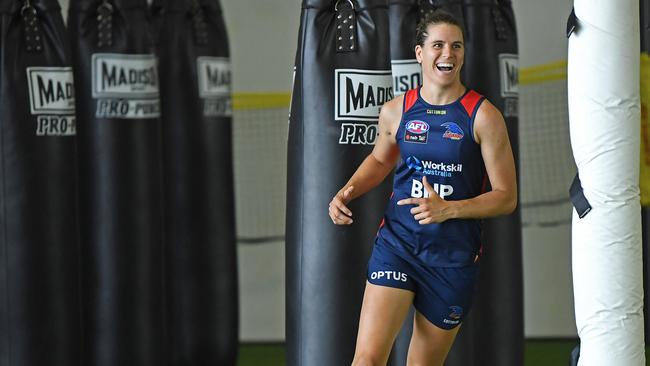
point(537, 74)
point(538, 79)
point(551, 66)
point(261, 100)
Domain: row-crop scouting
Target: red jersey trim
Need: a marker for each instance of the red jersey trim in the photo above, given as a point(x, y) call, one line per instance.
point(410, 98)
point(470, 101)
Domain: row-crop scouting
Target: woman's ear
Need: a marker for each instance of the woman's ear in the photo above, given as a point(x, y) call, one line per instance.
point(418, 53)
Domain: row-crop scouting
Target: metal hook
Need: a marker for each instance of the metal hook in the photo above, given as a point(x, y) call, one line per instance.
point(27, 6)
point(106, 5)
point(336, 6)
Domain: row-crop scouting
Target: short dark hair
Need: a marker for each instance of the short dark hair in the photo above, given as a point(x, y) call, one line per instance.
point(433, 18)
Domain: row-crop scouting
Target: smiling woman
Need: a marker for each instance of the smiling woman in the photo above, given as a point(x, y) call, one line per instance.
point(430, 234)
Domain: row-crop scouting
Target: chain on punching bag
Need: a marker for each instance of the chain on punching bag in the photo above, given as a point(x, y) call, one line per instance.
point(39, 311)
point(120, 182)
point(201, 273)
point(342, 78)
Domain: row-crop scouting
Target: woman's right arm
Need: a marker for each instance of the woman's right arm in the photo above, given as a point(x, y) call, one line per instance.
point(374, 169)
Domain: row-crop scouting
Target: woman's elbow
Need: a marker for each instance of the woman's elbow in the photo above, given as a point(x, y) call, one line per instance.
point(511, 204)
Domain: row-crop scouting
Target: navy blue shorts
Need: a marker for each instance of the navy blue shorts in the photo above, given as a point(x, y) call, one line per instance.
point(443, 295)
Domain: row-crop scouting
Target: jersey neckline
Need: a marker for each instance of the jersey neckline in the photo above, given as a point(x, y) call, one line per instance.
point(441, 105)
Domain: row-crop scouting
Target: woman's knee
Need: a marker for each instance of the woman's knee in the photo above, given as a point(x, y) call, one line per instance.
point(367, 359)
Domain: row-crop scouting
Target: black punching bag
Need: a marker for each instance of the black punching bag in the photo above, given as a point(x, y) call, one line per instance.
point(201, 265)
point(494, 330)
point(342, 78)
point(118, 111)
point(39, 254)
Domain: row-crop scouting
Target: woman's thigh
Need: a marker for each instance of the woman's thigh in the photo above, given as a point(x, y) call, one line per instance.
point(382, 314)
point(429, 343)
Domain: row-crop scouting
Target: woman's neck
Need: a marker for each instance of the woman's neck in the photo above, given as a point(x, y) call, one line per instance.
point(440, 95)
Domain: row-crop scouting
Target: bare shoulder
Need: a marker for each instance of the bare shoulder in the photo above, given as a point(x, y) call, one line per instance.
point(391, 114)
point(488, 121)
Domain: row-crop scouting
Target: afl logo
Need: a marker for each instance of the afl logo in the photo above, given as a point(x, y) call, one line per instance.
point(453, 132)
point(416, 132)
point(418, 127)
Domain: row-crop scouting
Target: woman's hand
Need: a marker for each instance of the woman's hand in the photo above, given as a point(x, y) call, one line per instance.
point(430, 210)
point(339, 212)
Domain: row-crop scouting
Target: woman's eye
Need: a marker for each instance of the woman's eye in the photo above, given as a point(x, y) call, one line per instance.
point(437, 45)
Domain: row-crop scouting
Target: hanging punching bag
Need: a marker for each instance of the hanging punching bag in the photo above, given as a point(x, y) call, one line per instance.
point(120, 177)
point(491, 67)
point(342, 77)
point(407, 74)
point(39, 253)
point(201, 266)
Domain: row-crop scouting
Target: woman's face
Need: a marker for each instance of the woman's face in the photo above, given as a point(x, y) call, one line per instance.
point(442, 54)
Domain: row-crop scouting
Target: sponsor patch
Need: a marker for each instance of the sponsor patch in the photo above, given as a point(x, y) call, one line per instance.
point(214, 76)
point(416, 131)
point(437, 112)
point(389, 275)
point(509, 72)
point(407, 74)
point(125, 86)
point(431, 168)
point(414, 163)
point(418, 190)
point(453, 131)
point(52, 100)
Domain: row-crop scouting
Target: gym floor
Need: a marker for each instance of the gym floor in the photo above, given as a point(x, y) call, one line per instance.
point(537, 353)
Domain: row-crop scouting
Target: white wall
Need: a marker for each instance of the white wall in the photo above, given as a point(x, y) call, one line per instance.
point(548, 291)
point(263, 40)
point(541, 27)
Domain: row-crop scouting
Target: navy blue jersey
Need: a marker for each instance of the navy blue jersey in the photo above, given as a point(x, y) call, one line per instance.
point(436, 141)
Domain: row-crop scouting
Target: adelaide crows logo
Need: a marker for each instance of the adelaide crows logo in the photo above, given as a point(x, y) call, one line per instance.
point(453, 132)
point(456, 312)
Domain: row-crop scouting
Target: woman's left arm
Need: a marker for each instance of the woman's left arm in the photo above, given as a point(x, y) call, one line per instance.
point(491, 133)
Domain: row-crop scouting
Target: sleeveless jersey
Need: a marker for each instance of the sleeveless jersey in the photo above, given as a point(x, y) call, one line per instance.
point(436, 141)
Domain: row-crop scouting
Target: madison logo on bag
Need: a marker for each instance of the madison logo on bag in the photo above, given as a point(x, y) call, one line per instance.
point(509, 71)
point(214, 85)
point(125, 86)
point(51, 97)
point(407, 74)
point(359, 95)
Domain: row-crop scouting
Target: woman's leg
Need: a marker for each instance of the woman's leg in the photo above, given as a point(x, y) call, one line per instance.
point(382, 314)
point(429, 344)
